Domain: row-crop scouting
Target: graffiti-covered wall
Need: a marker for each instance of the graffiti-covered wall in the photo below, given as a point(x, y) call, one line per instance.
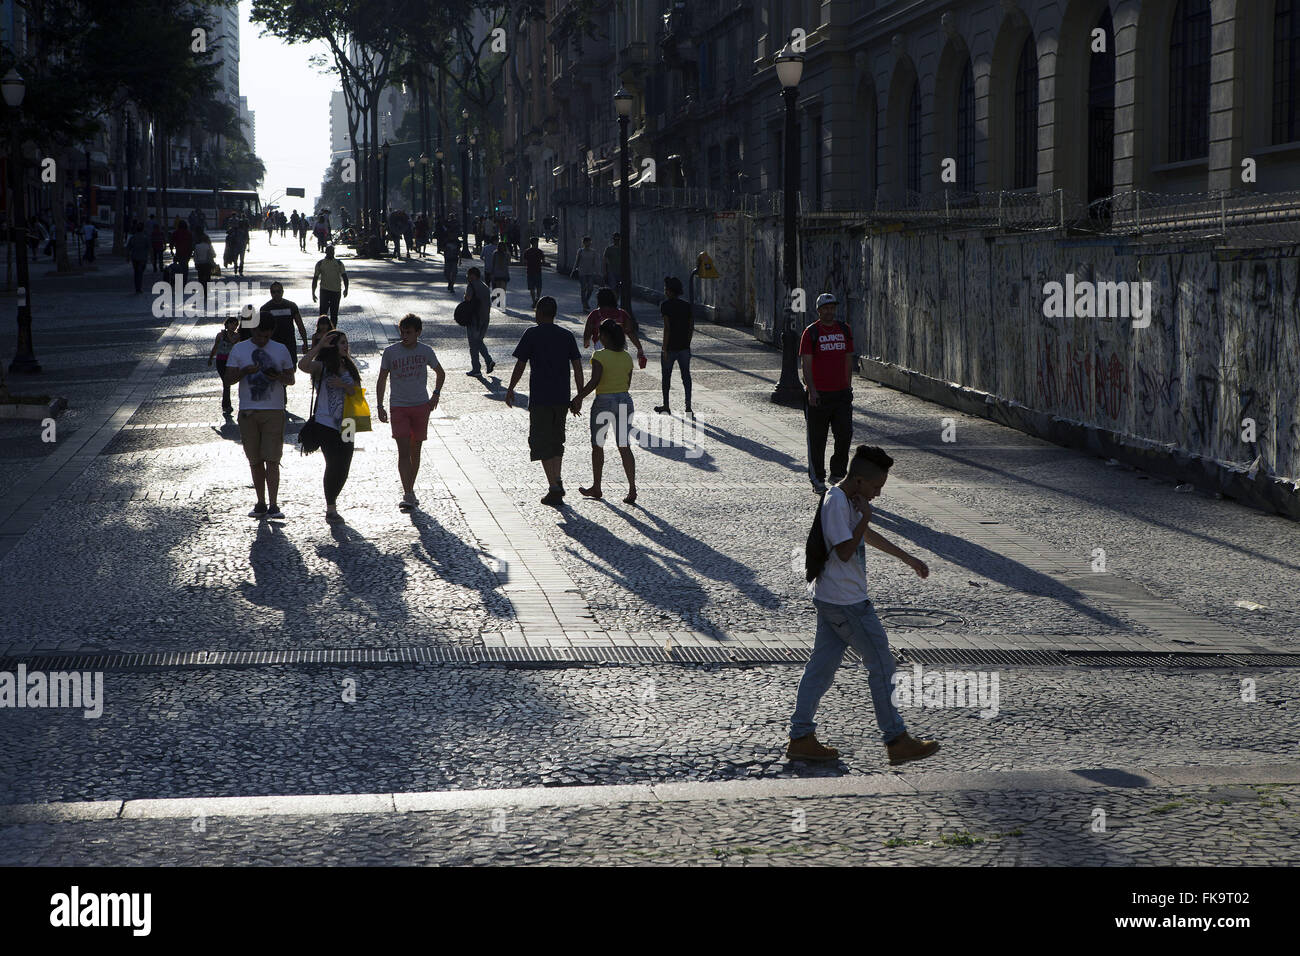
point(1184, 355)
point(1188, 348)
point(666, 242)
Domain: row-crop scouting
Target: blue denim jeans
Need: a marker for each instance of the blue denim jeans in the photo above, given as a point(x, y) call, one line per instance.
point(839, 627)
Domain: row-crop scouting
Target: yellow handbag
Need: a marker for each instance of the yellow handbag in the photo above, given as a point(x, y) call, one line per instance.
point(357, 408)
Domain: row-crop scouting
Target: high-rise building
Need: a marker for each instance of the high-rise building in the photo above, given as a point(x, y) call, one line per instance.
point(340, 143)
point(248, 123)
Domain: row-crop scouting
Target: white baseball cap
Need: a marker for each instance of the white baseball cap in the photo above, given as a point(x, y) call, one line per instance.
point(826, 298)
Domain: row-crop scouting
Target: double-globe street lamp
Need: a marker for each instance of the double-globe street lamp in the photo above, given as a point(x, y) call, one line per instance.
point(623, 104)
point(789, 68)
point(24, 361)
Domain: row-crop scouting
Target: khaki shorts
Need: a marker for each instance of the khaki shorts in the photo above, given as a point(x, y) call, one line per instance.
point(262, 431)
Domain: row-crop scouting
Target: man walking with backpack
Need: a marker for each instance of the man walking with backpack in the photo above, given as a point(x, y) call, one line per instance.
point(826, 354)
point(837, 583)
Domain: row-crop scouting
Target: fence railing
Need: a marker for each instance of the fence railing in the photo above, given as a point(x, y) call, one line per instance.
point(1235, 215)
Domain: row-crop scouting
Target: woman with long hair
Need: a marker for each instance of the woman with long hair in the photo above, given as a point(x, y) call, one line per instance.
point(335, 376)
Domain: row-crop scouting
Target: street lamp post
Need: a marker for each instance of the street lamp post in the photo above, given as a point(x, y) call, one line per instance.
point(24, 361)
point(464, 206)
point(410, 161)
point(383, 201)
point(442, 190)
point(789, 68)
point(623, 104)
point(424, 184)
point(473, 165)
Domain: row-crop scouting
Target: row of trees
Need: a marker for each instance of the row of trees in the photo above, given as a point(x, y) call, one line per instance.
point(133, 75)
point(429, 47)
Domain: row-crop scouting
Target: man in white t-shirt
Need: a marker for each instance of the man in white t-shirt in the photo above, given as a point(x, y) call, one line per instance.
point(845, 617)
point(263, 368)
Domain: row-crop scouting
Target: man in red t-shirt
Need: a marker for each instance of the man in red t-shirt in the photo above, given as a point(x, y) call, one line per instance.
point(826, 354)
point(607, 308)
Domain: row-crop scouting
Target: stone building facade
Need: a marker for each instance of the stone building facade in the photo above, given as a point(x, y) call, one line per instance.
point(1092, 97)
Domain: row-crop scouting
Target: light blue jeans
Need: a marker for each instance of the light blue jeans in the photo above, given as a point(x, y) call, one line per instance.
point(839, 627)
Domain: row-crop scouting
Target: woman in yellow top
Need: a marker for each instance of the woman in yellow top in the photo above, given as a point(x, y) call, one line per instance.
point(611, 376)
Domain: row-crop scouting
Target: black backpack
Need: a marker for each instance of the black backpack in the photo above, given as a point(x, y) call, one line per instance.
point(815, 551)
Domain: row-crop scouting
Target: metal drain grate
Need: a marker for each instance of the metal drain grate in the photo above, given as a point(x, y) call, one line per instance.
point(559, 656)
point(1152, 659)
point(991, 658)
point(408, 655)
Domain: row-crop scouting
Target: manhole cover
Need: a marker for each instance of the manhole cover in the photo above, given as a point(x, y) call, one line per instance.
point(899, 617)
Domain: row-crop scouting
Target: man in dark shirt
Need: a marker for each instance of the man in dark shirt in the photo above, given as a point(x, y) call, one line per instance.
point(826, 354)
point(613, 259)
point(285, 314)
point(476, 289)
point(534, 261)
point(552, 352)
point(679, 325)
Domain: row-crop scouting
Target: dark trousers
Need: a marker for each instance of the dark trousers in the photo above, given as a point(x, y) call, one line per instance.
point(682, 359)
point(138, 268)
point(833, 412)
point(157, 260)
point(205, 274)
point(329, 303)
point(225, 386)
point(338, 462)
point(449, 269)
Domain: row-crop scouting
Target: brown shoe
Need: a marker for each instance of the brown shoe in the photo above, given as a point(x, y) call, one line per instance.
point(807, 748)
point(905, 747)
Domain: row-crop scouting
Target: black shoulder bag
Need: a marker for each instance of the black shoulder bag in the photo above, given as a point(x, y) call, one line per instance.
point(312, 431)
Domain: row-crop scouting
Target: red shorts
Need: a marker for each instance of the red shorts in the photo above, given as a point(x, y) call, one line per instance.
point(410, 421)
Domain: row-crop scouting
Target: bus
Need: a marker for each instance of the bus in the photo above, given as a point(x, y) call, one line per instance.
point(218, 205)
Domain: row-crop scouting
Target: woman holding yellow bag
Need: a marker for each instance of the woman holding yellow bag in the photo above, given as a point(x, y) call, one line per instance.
point(338, 385)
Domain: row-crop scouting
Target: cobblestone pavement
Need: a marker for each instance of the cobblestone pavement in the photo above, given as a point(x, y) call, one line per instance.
point(1170, 826)
point(130, 534)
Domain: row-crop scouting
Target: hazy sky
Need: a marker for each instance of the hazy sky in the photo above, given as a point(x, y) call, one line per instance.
point(291, 101)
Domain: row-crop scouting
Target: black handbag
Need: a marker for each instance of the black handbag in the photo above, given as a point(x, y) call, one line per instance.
point(312, 431)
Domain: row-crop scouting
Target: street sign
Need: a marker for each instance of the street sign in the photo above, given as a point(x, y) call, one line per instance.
point(300, 191)
point(705, 268)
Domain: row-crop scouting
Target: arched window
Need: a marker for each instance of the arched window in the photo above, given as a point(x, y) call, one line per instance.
point(966, 129)
point(1286, 71)
point(914, 139)
point(1101, 114)
point(1189, 81)
point(1026, 116)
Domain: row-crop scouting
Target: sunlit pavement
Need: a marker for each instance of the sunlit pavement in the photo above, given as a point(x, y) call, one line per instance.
point(631, 645)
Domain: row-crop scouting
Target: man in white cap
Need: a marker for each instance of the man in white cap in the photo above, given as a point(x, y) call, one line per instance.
point(826, 354)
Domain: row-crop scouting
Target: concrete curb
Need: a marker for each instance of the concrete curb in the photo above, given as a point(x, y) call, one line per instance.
point(885, 783)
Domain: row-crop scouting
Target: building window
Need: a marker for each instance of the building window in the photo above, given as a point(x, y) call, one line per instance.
point(1189, 81)
point(1101, 114)
point(914, 138)
point(1286, 72)
point(966, 130)
point(733, 164)
point(1026, 128)
point(715, 168)
point(817, 159)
